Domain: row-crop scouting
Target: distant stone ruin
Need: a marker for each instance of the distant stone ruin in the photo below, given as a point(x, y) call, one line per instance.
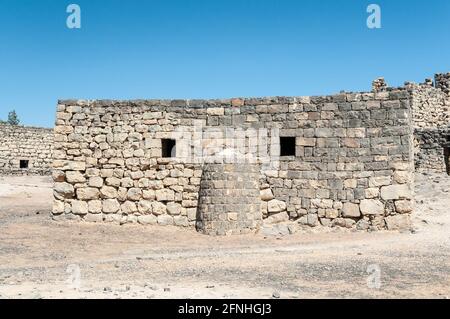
point(25, 150)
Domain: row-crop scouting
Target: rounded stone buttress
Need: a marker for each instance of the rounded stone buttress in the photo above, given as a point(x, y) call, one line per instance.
point(229, 202)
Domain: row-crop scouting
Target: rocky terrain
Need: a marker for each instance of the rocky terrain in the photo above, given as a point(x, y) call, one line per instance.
point(42, 258)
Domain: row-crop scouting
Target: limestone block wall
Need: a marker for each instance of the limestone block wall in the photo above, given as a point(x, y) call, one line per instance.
point(32, 146)
point(352, 164)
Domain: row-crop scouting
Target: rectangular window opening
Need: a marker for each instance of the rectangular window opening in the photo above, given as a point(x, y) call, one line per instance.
point(168, 148)
point(24, 164)
point(287, 146)
point(447, 159)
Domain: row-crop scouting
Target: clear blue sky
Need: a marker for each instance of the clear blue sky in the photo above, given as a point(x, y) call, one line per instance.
point(211, 49)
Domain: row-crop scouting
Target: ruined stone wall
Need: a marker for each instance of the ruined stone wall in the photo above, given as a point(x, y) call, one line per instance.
point(352, 167)
point(443, 82)
point(19, 143)
point(431, 147)
point(431, 114)
point(430, 106)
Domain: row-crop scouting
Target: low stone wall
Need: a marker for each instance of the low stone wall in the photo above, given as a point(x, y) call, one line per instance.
point(31, 145)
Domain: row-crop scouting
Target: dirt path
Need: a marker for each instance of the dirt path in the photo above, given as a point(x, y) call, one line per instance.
point(40, 258)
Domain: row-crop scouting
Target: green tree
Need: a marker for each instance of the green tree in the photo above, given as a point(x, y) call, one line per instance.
point(13, 119)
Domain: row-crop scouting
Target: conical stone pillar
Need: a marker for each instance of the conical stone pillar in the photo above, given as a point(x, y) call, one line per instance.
point(229, 202)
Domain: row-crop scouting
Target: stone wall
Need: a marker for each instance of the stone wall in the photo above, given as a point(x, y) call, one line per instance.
point(432, 149)
point(32, 146)
point(352, 164)
point(430, 105)
point(431, 114)
point(443, 82)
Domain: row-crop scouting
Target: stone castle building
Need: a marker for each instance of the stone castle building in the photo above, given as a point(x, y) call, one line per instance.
point(237, 165)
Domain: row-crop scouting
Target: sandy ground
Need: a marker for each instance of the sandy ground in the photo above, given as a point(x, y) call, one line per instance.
point(41, 258)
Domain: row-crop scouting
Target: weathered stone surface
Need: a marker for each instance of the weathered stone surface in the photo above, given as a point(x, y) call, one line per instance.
point(110, 206)
point(362, 224)
point(173, 209)
point(351, 210)
point(158, 208)
point(165, 195)
point(147, 220)
point(312, 220)
point(96, 181)
point(88, 193)
point(403, 206)
point(181, 221)
point(58, 176)
point(266, 194)
point(402, 177)
point(371, 193)
point(75, 177)
point(216, 111)
point(65, 190)
point(343, 222)
point(380, 181)
point(277, 218)
point(165, 220)
point(128, 207)
point(191, 214)
point(112, 218)
point(145, 206)
point(108, 192)
point(79, 207)
point(95, 206)
point(69, 165)
point(58, 207)
point(331, 213)
point(396, 192)
point(371, 207)
point(113, 181)
point(276, 206)
point(134, 194)
point(148, 194)
point(398, 222)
